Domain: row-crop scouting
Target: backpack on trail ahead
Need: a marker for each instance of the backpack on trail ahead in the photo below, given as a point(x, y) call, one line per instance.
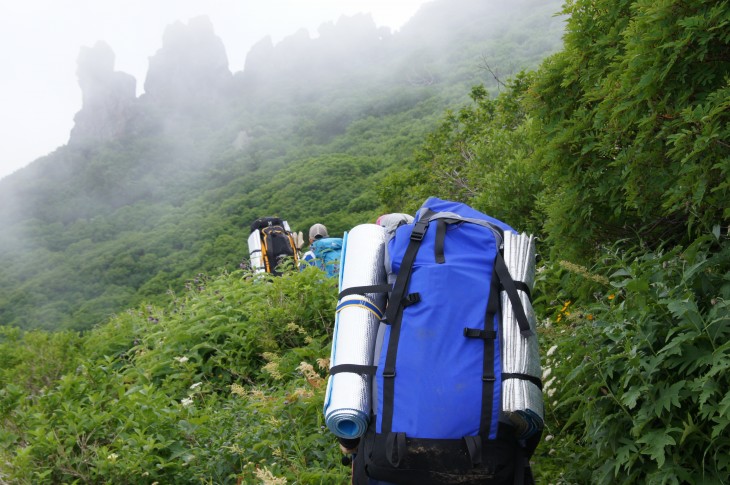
point(459, 397)
point(269, 243)
point(327, 253)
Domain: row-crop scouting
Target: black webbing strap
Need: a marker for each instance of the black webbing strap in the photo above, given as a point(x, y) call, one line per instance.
point(500, 268)
point(395, 448)
point(354, 368)
point(438, 247)
point(522, 286)
point(410, 299)
point(488, 377)
point(404, 274)
point(477, 333)
point(394, 314)
point(361, 290)
point(474, 448)
point(525, 377)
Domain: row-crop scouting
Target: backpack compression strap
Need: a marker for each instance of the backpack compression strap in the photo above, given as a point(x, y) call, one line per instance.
point(368, 370)
point(361, 290)
point(509, 286)
point(394, 314)
point(489, 378)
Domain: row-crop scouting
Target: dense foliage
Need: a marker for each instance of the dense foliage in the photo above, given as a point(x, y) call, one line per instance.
point(224, 385)
point(614, 153)
point(635, 116)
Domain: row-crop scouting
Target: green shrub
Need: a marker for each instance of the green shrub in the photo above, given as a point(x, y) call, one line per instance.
point(640, 376)
point(226, 385)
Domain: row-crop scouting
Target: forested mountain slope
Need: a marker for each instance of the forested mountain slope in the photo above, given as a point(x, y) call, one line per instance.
point(150, 191)
point(613, 152)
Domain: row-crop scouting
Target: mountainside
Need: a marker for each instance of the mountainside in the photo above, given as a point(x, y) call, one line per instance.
point(613, 153)
point(151, 191)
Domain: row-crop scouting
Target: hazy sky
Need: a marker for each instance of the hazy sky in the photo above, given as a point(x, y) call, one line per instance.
point(40, 42)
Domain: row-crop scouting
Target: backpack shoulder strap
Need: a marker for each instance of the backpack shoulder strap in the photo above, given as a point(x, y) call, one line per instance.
point(394, 313)
point(404, 274)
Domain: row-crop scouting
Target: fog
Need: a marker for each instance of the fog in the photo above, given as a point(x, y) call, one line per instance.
point(41, 40)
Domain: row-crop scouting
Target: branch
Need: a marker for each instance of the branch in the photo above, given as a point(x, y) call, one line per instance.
point(491, 71)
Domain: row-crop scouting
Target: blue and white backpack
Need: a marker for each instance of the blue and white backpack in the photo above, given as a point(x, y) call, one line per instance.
point(327, 254)
point(455, 321)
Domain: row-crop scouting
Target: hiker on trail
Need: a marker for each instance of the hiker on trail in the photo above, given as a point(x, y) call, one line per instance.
point(435, 369)
point(317, 231)
point(270, 242)
point(324, 251)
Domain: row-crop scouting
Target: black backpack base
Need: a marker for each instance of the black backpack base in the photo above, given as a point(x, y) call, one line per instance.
point(395, 458)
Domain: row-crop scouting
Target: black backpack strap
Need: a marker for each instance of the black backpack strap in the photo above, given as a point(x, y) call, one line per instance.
point(394, 314)
point(490, 340)
point(500, 268)
point(361, 290)
point(404, 274)
point(395, 448)
point(525, 377)
point(354, 369)
point(474, 448)
point(522, 286)
point(439, 243)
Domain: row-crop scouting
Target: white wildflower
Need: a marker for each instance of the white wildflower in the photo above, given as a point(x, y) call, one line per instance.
point(187, 401)
point(196, 385)
point(182, 359)
point(238, 389)
point(268, 478)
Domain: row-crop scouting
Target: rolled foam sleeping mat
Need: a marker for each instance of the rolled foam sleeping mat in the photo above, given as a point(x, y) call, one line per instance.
point(254, 252)
point(349, 394)
point(522, 400)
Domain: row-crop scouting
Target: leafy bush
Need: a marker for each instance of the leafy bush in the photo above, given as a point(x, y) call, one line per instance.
point(634, 120)
point(226, 385)
point(638, 380)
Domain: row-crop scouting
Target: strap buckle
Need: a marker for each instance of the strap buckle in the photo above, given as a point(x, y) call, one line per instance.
point(410, 299)
point(482, 334)
point(419, 230)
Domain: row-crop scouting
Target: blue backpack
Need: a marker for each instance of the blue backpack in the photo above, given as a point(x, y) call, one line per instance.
point(439, 414)
point(327, 254)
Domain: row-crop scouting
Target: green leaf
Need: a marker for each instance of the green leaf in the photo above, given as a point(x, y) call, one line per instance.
point(624, 456)
point(724, 406)
point(630, 397)
point(656, 441)
point(668, 397)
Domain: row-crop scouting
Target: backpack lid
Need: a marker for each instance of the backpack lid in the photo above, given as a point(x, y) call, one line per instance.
point(333, 243)
point(263, 222)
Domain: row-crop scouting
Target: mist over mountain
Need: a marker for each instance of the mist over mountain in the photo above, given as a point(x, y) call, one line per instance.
point(151, 190)
point(108, 96)
point(190, 68)
point(608, 144)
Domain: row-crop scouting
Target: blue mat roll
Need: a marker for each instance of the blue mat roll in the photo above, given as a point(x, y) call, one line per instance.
point(349, 394)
